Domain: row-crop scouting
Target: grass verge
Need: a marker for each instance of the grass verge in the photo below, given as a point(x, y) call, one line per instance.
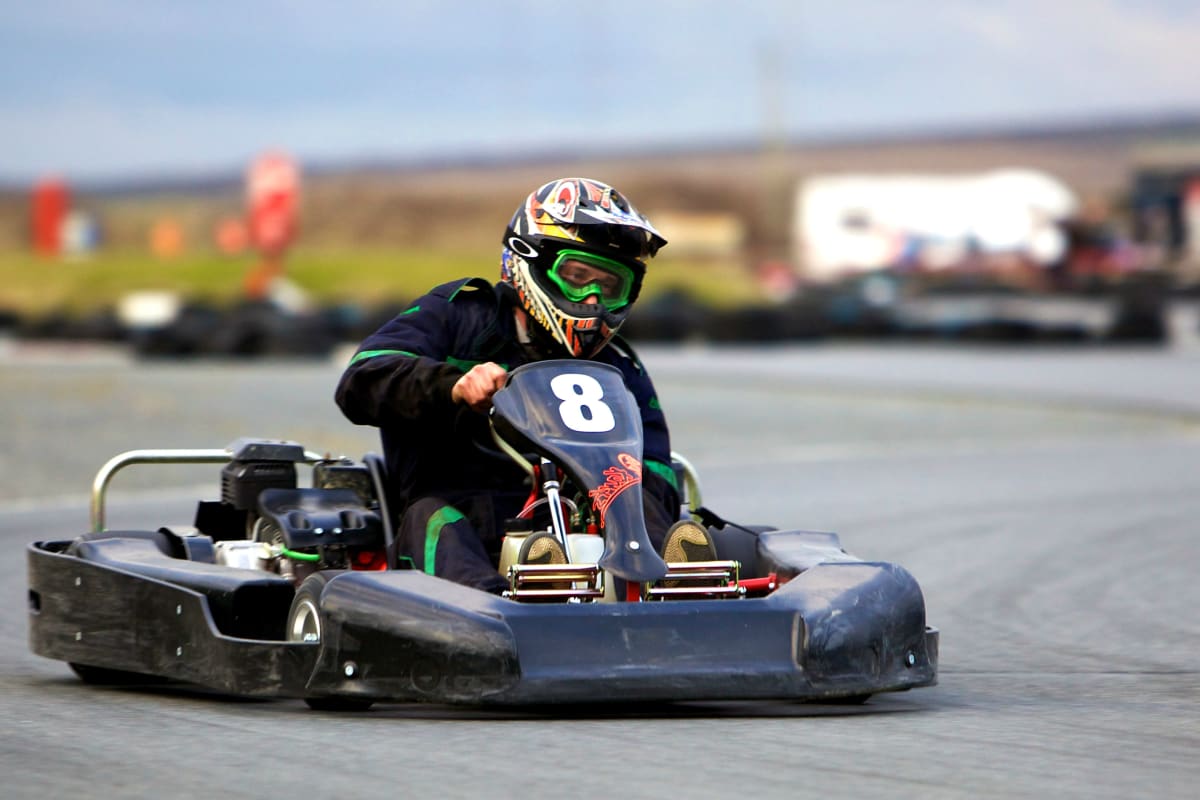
point(30, 285)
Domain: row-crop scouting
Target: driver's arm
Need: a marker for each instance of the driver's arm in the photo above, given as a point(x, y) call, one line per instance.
point(401, 370)
point(476, 387)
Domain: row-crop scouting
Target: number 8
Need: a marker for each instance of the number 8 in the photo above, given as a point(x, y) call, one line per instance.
point(583, 408)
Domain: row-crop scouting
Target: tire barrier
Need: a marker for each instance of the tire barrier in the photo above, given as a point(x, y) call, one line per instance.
point(1138, 313)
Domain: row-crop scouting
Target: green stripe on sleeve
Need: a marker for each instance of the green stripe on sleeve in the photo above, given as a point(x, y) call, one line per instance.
point(365, 354)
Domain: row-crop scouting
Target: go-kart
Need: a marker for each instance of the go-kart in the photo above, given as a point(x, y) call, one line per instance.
point(278, 590)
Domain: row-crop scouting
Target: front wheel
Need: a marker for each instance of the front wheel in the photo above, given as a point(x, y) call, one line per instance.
point(306, 624)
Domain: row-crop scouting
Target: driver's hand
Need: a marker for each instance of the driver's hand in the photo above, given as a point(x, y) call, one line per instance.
point(477, 386)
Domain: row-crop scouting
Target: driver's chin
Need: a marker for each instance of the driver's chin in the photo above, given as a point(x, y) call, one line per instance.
point(592, 345)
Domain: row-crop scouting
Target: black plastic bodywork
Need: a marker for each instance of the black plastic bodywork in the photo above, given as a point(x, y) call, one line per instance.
point(607, 460)
point(789, 615)
point(838, 628)
point(148, 613)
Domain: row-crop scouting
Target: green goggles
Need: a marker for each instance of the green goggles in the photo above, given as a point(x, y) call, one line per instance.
point(581, 275)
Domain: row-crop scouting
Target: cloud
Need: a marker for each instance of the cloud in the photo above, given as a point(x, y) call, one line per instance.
point(871, 65)
point(132, 84)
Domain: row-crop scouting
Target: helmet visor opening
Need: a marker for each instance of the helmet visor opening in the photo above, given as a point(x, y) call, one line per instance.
point(580, 274)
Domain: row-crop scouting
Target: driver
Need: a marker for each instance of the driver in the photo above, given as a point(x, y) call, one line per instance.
point(572, 265)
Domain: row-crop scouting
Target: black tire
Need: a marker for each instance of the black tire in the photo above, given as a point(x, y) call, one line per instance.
point(305, 624)
point(304, 617)
point(851, 700)
point(740, 543)
point(341, 704)
point(103, 676)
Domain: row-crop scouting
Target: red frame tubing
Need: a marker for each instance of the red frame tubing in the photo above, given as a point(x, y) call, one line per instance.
point(767, 584)
point(369, 561)
point(527, 511)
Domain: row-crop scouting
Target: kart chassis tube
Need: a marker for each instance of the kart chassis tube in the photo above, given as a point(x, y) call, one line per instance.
point(121, 460)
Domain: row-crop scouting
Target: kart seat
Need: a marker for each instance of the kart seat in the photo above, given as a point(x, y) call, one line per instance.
point(316, 517)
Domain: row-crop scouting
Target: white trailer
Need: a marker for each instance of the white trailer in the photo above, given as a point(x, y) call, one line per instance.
point(848, 224)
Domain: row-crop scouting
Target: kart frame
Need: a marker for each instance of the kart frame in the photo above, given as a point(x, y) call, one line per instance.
point(785, 614)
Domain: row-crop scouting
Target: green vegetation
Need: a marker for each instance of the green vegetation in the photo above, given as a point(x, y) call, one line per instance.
point(34, 286)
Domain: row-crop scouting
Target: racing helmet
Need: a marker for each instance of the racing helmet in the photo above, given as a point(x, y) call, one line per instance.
point(574, 258)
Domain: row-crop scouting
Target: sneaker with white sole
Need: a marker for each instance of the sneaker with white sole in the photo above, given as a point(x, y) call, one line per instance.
point(688, 540)
point(543, 547)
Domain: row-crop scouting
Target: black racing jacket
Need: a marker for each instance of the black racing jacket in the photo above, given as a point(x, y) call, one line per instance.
point(401, 378)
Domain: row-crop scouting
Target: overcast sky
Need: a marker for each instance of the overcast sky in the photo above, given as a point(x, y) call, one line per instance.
point(125, 88)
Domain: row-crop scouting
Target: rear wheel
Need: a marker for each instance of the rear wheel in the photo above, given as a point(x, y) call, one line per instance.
point(304, 618)
point(306, 624)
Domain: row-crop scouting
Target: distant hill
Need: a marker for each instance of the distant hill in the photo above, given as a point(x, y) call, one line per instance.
point(464, 202)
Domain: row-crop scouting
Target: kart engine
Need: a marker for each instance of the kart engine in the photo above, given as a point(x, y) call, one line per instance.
point(289, 530)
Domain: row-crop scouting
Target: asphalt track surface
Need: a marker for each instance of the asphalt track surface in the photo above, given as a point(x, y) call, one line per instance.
point(1048, 501)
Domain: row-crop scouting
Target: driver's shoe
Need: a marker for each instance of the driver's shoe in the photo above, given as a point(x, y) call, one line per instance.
point(543, 547)
point(688, 540)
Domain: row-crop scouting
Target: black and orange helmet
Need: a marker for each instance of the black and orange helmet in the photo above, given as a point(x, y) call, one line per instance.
point(574, 259)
